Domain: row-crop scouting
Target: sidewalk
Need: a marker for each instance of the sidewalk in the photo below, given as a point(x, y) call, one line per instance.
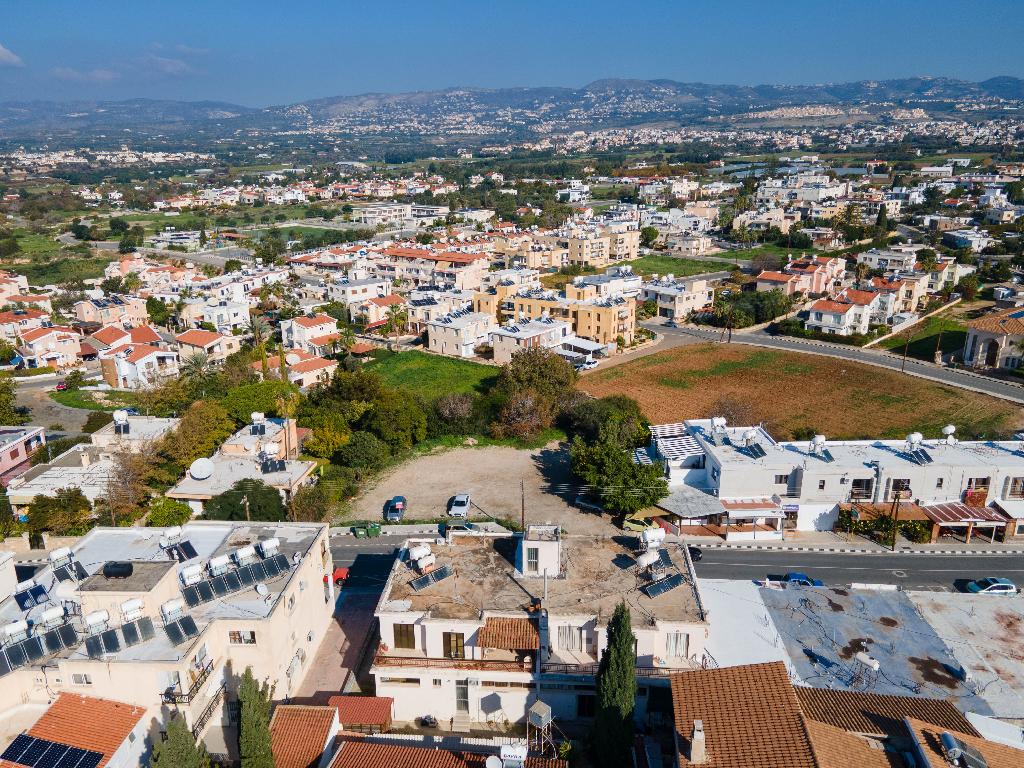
point(827, 541)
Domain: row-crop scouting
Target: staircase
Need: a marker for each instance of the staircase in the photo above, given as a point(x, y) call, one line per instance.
point(461, 723)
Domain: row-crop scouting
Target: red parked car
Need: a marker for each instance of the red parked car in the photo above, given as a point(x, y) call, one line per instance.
point(340, 575)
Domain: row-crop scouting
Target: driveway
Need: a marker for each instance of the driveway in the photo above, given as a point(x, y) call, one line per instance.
point(497, 478)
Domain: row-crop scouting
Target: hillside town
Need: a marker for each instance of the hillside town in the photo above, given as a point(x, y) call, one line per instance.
point(458, 422)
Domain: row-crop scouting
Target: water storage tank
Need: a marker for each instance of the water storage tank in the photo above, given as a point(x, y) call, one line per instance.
point(653, 537)
point(131, 610)
point(117, 569)
point(420, 550)
point(425, 562)
point(647, 559)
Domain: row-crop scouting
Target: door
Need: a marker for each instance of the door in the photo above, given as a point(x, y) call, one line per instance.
point(462, 696)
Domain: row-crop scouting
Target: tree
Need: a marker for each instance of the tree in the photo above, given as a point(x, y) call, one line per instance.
point(232, 265)
point(66, 512)
point(126, 245)
point(259, 328)
point(9, 413)
point(309, 505)
point(118, 227)
point(397, 318)
point(330, 432)
point(397, 420)
point(158, 311)
point(247, 500)
point(254, 722)
point(258, 397)
point(127, 487)
point(926, 257)
point(609, 474)
point(619, 415)
point(196, 366)
point(165, 512)
point(132, 282)
point(648, 236)
point(364, 451)
point(203, 427)
point(524, 414)
point(538, 370)
point(179, 749)
point(612, 732)
point(968, 287)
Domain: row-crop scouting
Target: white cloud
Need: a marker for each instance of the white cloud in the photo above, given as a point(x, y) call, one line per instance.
point(167, 66)
point(9, 58)
point(72, 75)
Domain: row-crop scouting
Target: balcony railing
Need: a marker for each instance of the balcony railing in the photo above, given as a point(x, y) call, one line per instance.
point(381, 660)
point(171, 696)
point(589, 670)
point(207, 713)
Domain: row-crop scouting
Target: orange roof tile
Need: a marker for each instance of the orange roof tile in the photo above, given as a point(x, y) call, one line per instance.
point(825, 305)
point(877, 714)
point(98, 725)
point(835, 748)
point(325, 339)
point(299, 734)
point(362, 710)
point(510, 634)
point(996, 755)
point(312, 322)
point(22, 314)
point(1009, 322)
point(354, 753)
point(40, 333)
point(775, 277)
point(197, 337)
point(110, 334)
point(386, 301)
point(313, 364)
point(144, 334)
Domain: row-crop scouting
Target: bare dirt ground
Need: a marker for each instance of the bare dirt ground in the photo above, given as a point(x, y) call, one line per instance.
point(492, 477)
point(46, 411)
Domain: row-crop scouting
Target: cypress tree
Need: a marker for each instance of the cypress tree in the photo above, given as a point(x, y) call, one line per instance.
point(612, 736)
point(254, 722)
point(179, 750)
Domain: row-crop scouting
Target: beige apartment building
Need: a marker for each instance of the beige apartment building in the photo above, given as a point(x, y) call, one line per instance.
point(602, 247)
point(168, 619)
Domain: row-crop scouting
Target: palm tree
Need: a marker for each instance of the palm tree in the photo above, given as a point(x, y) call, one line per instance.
point(346, 337)
point(196, 366)
point(397, 319)
point(259, 328)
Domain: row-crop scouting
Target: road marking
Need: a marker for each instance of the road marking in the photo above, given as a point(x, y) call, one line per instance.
point(900, 574)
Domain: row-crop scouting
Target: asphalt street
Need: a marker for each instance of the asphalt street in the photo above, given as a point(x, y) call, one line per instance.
point(370, 561)
point(952, 377)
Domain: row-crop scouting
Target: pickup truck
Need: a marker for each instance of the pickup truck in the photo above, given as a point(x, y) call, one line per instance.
point(797, 578)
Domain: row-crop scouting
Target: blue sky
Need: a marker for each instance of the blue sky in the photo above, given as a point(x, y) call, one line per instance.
point(259, 53)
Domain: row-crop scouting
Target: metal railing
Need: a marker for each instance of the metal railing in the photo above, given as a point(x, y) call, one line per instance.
point(207, 713)
point(590, 670)
point(187, 697)
point(480, 664)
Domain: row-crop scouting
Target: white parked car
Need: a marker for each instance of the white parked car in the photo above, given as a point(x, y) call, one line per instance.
point(459, 505)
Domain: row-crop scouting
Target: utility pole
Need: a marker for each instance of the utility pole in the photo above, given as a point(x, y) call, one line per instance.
point(906, 347)
point(522, 504)
point(245, 501)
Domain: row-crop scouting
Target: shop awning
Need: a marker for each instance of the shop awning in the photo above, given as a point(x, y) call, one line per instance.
point(956, 513)
point(750, 508)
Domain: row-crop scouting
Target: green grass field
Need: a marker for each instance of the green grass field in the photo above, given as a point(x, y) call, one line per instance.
point(431, 376)
point(925, 336)
point(95, 400)
point(663, 264)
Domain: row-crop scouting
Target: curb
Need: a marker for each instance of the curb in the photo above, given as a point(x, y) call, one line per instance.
point(856, 550)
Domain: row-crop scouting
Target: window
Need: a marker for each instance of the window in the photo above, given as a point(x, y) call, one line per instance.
point(862, 488)
point(405, 636)
point(291, 602)
point(437, 682)
point(80, 678)
point(821, 485)
point(570, 638)
point(677, 645)
point(453, 644)
point(1019, 530)
point(242, 637)
point(532, 559)
point(782, 479)
point(1015, 489)
point(585, 705)
point(939, 482)
point(978, 483)
point(898, 486)
point(400, 680)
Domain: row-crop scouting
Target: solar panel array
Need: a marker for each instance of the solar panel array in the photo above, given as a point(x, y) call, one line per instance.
point(756, 451)
point(109, 641)
point(42, 753)
point(71, 571)
point(661, 586)
point(920, 456)
point(431, 578)
point(182, 551)
point(181, 630)
point(826, 455)
point(272, 465)
point(30, 598)
point(233, 581)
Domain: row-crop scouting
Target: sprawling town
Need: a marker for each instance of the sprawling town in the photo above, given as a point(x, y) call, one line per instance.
point(598, 432)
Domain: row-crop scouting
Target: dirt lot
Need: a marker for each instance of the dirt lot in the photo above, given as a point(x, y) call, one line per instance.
point(793, 392)
point(492, 476)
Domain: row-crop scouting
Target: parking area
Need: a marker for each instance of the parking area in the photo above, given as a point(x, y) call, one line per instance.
point(497, 479)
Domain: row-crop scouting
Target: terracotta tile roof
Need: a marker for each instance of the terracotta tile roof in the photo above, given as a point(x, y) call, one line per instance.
point(1010, 322)
point(996, 755)
point(298, 734)
point(854, 296)
point(824, 305)
point(509, 634)
point(313, 364)
point(196, 337)
point(355, 753)
point(835, 748)
point(751, 717)
point(362, 710)
point(386, 301)
point(41, 333)
point(110, 335)
point(775, 277)
point(313, 322)
point(361, 348)
point(877, 714)
point(144, 334)
point(320, 341)
point(22, 314)
point(138, 352)
point(98, 725)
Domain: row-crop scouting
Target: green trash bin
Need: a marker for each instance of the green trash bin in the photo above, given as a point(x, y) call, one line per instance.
point(360, 532)
point(373, 530)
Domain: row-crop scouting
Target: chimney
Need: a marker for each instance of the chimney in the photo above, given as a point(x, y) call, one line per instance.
point(698, 749)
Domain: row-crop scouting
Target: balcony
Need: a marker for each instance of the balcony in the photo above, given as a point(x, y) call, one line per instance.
point(171, 696)
point(589, 670)
point(416, 659)
point(207, 713)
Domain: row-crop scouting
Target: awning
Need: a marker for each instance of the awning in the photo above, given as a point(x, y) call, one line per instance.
point(1013, 508)
point(586, 345)
point(509, 634)
point(908, 511)
point(956, 513)
point(751, 508)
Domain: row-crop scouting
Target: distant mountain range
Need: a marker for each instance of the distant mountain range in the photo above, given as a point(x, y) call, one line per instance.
point(499, 112)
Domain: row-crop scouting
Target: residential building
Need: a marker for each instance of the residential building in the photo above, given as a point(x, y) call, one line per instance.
point(544, 332)
point(888, 260)
point(218, 347)
point(759, 221)
point(603, 321)
point(689, 244)
point(138, 366)
point(56, 346)
point(995, 340)
point(813, 275)
point(165, 619)
point(305, 369)
point(850, 313)
point(315, 334)
point(134, 434)
point(975, 239)
point(676, 299)
point(13, 323)
point(373, 313)
point(17, 444)
point(351, 291)
point(426, 306)
point(519, 634)
point(123, 311)
point(460, 333)
point(382, 214)
point(948, 273)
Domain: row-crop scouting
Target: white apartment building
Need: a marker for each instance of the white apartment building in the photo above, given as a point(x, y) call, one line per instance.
point(888, 260)
point(459, 333)
point(138, 366)
point(313, 334)
point(545, 332)
point(675, 299)
point(168, 619)
point(742, 480)
point(346, 291)
point(850, 313)
point(376, 214)
point(481, 626)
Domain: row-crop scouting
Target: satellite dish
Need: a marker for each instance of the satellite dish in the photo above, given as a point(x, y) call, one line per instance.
point(120, 417)
point(493, 762)
point(948, 430)
point(201, 469)
point(261, 590)
point(292, 359)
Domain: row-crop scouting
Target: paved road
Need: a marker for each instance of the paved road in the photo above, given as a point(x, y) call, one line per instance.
point(368, 560)
point(911, 571)
point(954, 378)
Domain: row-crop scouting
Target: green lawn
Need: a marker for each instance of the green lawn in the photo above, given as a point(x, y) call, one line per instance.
point(94, 400)
point(924, 336)
point(431, 376)
point(663, 264)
